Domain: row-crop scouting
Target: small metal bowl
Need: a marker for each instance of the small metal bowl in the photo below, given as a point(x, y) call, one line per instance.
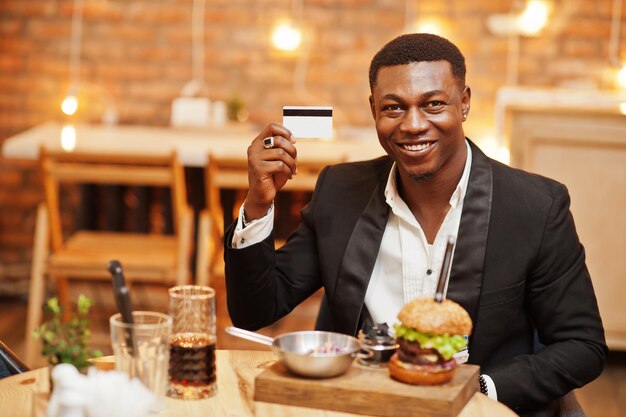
point(304, 353)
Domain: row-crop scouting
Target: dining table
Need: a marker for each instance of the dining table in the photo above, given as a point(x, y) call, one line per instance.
point(25, 394)
point(192, 145)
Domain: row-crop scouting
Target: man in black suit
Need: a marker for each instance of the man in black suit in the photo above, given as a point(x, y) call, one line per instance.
point(374, 232)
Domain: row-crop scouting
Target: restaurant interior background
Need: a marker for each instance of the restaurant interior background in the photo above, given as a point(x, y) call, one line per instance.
point(126, 61)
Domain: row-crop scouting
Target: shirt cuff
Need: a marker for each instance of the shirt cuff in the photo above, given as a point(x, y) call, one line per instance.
point(255, 231)
point(491, 387)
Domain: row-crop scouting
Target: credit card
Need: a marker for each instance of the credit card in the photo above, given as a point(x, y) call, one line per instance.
point(309, 121)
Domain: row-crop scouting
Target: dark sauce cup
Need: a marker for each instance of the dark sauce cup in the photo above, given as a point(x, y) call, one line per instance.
point(379, 349)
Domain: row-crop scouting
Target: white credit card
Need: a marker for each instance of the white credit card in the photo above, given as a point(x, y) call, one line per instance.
point(309, 121)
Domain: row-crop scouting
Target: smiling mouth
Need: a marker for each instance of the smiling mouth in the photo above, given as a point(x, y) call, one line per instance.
point(416, 147)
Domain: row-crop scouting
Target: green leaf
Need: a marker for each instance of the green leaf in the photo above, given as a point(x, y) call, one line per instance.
point(66, 341)
point(53, 305)
point(447, 345)
point(84, 304)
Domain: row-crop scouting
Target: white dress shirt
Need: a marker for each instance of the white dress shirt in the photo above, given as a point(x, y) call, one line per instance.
point(406, 266)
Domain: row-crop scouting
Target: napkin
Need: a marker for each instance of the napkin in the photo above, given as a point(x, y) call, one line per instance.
point(97, 394)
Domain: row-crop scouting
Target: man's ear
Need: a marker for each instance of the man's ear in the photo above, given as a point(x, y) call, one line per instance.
point(372, 107)
point(466, 97)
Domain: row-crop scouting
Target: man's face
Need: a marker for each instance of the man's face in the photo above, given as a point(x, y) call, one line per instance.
point(418, 109)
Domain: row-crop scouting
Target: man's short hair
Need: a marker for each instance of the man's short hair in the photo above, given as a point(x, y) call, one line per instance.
point(418, 47)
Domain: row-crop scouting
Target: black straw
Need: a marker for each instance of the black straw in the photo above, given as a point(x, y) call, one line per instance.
point(444, 275)
point(122, 300)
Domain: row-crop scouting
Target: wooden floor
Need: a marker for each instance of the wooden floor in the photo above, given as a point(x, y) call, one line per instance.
point(605, 397)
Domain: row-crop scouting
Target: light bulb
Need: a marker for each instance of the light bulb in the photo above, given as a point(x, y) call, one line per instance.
point(69, 105)
point(68, 138)
point(287, 37)
point(533, 18)
point(621, 77)
point(429, 26)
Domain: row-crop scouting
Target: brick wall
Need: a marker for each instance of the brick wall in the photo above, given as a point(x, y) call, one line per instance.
point(19, 195)
point(137, 53)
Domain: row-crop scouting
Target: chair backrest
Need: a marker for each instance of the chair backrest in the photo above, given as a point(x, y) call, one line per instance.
point(222, 173)
point(232, 173)
point(104, 169)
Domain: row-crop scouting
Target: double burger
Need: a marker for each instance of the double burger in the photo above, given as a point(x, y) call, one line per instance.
point(428, 336)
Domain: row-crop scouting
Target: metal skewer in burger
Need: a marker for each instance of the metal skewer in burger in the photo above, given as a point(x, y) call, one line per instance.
point(430, 332)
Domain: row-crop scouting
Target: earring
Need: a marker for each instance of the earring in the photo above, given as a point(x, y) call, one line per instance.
point(464, 116)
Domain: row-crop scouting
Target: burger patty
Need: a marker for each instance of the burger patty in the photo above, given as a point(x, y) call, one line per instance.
point(412, 352)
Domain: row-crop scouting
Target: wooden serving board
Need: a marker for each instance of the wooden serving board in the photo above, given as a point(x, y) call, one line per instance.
point(368, 391)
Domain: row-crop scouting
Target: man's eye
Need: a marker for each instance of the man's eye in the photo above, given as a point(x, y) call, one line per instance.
point(392, 107)
point(435, 105)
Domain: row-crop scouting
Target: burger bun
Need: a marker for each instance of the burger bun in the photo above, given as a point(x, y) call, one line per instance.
point(429, 316)
point(419, 374)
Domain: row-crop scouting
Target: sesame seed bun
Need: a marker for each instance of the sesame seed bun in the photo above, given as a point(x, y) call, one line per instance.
point(428, 316)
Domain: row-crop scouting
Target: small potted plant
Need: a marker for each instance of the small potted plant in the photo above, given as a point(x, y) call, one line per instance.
point(66, 341)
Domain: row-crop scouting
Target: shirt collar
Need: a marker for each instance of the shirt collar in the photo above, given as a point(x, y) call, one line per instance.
point(391, 190)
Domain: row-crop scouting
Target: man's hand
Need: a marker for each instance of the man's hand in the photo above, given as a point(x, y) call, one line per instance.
point(268, 169)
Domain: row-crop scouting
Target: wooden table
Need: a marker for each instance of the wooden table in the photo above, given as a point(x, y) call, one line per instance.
point(236, 370)
point(193, 145)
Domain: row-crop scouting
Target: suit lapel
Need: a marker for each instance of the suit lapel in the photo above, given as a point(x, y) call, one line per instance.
point(467, 268)
point(358, 261)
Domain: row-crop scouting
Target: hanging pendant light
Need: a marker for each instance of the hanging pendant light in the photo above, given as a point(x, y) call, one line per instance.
point(69, 104)
point(534, 18)
point(287, 37)
point(529, 22)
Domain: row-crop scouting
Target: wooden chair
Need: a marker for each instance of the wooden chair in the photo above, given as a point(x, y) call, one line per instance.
point(84, 254)
point(232, 173)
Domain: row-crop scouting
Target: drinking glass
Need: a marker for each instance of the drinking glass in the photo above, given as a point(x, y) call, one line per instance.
point(141, 349)
point(192, 344)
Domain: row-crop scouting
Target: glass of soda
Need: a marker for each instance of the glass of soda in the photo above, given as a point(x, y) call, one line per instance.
point(192, 344)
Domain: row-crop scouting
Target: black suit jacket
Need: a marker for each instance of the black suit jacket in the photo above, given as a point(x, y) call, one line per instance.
point(519, 270)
